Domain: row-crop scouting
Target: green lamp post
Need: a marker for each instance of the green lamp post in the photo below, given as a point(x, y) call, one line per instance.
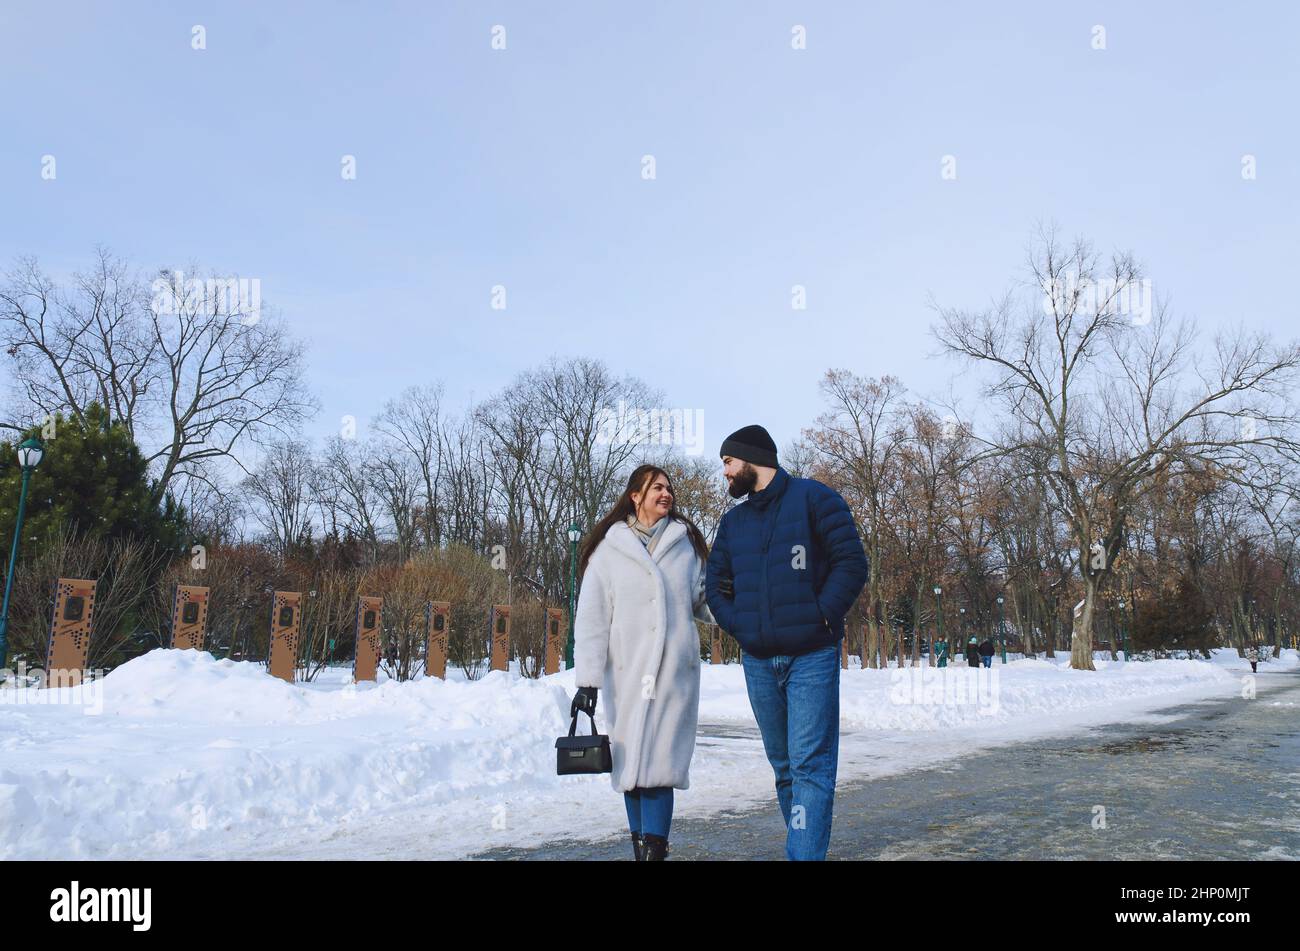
point(1002, 635)
point(30, 453)
point(961, 637)
point(938, 606)
point(575, 535)
point(1123, 642)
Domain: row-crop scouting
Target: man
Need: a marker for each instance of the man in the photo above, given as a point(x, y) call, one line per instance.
point(785, 568)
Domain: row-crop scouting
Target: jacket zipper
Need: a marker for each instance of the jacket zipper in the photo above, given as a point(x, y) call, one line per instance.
point(764, 613)
point(764, 617)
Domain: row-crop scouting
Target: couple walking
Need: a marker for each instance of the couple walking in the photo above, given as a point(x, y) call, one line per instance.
point(784, 570)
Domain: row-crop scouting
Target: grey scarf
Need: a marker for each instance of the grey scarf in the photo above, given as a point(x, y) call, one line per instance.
point(649, 536)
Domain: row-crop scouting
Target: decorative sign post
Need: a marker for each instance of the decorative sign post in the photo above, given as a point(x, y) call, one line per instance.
point(189, 617)
point(286, 608)
point(500, 637)
point(555, 635)
point(715, 657)
point(370, 617)
point(438, 614)
point(69, 644)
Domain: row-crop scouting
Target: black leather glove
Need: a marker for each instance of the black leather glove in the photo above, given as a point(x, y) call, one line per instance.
point(584, 700)
point(727, 588)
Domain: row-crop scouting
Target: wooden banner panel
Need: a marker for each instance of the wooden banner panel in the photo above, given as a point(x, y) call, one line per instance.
point(715, 657)
point(370, 618)
point(556, 636)
point(286, 611)
point(435, 650)
point(500, 637)
point(70, 628)
point(189, 617)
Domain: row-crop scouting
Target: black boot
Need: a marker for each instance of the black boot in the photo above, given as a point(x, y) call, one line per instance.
point(655, 848)
point(638, 847)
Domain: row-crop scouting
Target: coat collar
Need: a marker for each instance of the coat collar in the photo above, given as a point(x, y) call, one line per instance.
point(621, 536)
point(771, 492)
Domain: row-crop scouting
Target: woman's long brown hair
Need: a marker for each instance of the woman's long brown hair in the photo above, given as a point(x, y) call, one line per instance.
point(639, 481)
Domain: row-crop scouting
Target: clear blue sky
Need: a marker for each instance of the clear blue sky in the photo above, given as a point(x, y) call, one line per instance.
point(775, 167)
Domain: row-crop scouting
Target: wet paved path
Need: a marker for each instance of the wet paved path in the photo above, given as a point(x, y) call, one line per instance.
point(1221, 780)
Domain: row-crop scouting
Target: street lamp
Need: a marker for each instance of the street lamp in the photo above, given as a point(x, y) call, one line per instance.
point(1002, 637)
point(30, 453)
point(938, 604)
point(574, 537)
point(1123, 644)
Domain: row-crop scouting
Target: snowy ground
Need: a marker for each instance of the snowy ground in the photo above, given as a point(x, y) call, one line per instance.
point(176, 754)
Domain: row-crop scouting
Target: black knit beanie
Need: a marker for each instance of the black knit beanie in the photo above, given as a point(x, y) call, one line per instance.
point(752, 444)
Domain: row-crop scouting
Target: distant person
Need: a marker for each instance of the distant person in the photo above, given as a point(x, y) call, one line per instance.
point(972, 653)
point(642, 570)
point(1252, 655)
point(786, 566)
point(986, 652)
point(941, 652)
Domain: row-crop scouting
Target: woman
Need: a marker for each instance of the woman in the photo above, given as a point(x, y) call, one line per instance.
point(642, 571)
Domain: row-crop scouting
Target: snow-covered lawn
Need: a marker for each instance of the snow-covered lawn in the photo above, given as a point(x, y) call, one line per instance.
point(176, 754)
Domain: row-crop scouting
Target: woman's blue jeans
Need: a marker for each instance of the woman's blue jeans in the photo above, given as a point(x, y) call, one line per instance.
point(649, 809)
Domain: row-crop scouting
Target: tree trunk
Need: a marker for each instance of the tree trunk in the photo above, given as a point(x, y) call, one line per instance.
point(1048, 629)
point(1277, 624)
point(1081, 642)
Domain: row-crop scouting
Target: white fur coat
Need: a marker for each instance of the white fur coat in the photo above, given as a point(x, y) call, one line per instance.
point(635, 639)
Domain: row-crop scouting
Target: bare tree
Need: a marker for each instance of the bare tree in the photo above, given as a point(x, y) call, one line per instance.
point(80, 344)
point(1098, 400)
point(858, 441)
point(281, 486)
point(193, 370)
point(414, 422)
point(344, 491)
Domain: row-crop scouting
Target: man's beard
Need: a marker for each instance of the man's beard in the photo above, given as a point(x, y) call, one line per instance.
point(743, 482)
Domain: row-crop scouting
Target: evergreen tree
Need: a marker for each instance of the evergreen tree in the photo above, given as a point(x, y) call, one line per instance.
point(1179, 620)
point(93, 478)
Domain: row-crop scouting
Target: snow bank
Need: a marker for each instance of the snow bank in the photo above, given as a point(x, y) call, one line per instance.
point(179, 753)
point(930, 698)
point(186, 747)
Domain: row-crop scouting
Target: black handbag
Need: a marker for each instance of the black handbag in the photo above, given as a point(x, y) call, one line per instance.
point(583, 754)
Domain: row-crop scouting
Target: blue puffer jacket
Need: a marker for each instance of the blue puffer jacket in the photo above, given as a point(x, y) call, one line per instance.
point(797, 566)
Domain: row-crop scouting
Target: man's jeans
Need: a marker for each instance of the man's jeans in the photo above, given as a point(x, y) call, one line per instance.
point(796, 701)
